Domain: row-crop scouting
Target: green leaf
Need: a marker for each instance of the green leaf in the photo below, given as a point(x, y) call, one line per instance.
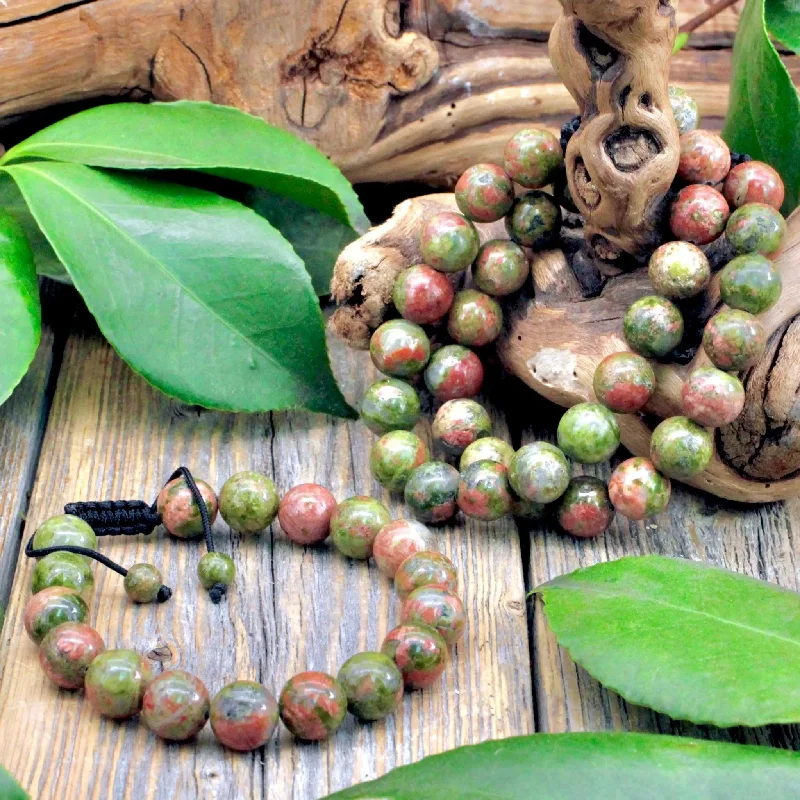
point(19, 299)
point(596, 766)
point(687, 639)
point(317, 238)
point(9, 788)
point(47, 262)
point(764, 115)
point(783, 21)
point(681, 41)
point(209, 138)
point(198, 293)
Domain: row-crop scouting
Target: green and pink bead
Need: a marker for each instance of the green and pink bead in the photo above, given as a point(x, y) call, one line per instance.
point(312, 705)
point(176, 705)
point(488, 448)
point(373, 685)
point(624, 382)
point(535, 221)
point(679, 270)
point(389, 405)
point(454, 372)
point(395, 456)
point(750, 283)
point(143, 583)
point(653, 326)
point(704, 157)
point(67, 651)
point(533, 157)
point(243, 715)
point(180, 514)
point(475, 319)
point(754, 182)
point(248, 502)
point(422, 295)
point(116, 682)
point(356, 523)
point(501, 268)
point(680, 448)
point(400, 349)
point(63, 569)
point(699, 214)
point(399, 540)
point(426, 568)
point(431, 492)
point(756, 228)
point(438, 608)
point(539, 472)
point(637, 490)
point(419, 652)
point(588, 433)
point(459, 423)
point(305, 513)
point(484, 193)
point(65, 529)
point(734, 340)
point(448, 242)
point(50, 608)
point(216, 569)
point(684, 109)
point(585, 509)
point(711, 397)
point(483, 491)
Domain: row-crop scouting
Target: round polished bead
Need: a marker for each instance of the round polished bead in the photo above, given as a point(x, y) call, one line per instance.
point(535, 221)
point(243, 715)
point(438, 608)
point(684, 109)
point(484, 193)
point(734, 340)
point(624, 382)
point(698, 214)
point(483, 491)
point(653, 326)
point(453, 372)
point(680, 448)
point(679, 270)
point(356, 523)
point(50, 608)
point(588, 433)
point(395, 456)
point(390, 405)
point(400, 348)
point(419, 652)
point(373, 685)
point(312, 705)
point(539, 472)
point(475, 318)
point(754, 182)
point(756, 228)
point(176, 705)
point(459, 423)
point(305, 513)
point(63, 569)
point(179, 512)
point(712, 398)
point(426, 568)
point(448, 242)
point(533, 157)
point(704, 157)
point(65, 529)
point(116, 682)
point(750, 283)
point(584, 510)
point(431, 492)
point(501, 268)
point(422, 294)
point(488, 448)
point(248, 502)
point(638, 490)
point(67, 651)
point(142, 583)
point(397, 541)
point(216, 568)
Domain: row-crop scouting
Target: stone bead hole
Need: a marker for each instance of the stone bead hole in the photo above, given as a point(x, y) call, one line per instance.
point(631, 148)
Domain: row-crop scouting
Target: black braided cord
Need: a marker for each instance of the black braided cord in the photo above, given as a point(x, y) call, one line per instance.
point(117, 517)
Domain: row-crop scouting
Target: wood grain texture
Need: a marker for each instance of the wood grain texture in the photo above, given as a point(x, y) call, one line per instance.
point(291, 609)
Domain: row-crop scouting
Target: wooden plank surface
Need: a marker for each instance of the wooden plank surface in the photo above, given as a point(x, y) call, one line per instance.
point(109, 435)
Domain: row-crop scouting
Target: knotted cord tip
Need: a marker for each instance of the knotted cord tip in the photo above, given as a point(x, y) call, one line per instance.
point(164, 594)
point(217, 592)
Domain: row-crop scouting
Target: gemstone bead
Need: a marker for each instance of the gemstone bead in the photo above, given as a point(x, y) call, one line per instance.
point(459, 423)
point(484, 193)
point(431, 492)
point(419, 652)
point(438, 608)
point(448, 242)
point(483, 491)
point(65, 529)
point(248, 502)
point(734, 340)
point(422, 294)
point(397, 541)
point(142, 583)
point(356, 523)
point(400, 348)
point(425, 568)
point(243, 715)
point(680, 448)
point(754, 182)
point(373, 685)
point(712, 398)
point(475, 318)
point(698, 214)
point(453, 372)
point(63, 569)
point(50, 608)
point(489, 448)
point(179, 512)
point(750, 283)
point(501, 268)
point(756, 228)
point(624, 382)
point(305, 513)
point(214, 568)
point(653, 326)
point(116, 682)
point(584, 509)
point(704, 157)
point(638, 490)
point(539, 472)
point(312, 705)
point(684, 109)
point(588, 433)
point(395, 456)
point(534, 221)
point(390, 405)
point(67, 651)
point(679, 270)
point(533, 157)
point(176, 705)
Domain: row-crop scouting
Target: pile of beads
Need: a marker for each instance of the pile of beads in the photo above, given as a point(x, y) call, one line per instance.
point(175, 705)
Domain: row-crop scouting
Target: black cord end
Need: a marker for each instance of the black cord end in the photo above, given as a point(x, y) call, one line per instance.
point(164, 594)
point(217, 592)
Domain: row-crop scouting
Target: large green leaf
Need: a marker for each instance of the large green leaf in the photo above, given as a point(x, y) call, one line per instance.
point(693, 641)
point(592, 766)
point(218, 140)
point(783, 21)
point(764, 115)
point(197, 293)
point(9, 788)
point(317, 238)
point(19, 299)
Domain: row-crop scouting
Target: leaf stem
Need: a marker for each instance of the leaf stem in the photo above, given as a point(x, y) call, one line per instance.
point(711, 12)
